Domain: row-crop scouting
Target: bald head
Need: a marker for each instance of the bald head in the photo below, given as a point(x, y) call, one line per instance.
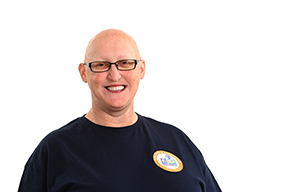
point(111, 45)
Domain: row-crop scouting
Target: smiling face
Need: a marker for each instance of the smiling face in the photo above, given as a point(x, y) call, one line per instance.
point(112, 90)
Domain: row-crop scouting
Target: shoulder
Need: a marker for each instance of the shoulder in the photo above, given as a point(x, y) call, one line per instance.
point(169, 131)
point(53, 140)
point(163, 128)
point(71, 128)
point(159, 125)
point(58, 136)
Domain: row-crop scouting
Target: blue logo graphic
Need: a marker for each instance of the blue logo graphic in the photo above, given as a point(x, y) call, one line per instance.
point(168, 161)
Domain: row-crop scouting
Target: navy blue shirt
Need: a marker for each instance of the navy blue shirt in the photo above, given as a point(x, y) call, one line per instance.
point(146, 156)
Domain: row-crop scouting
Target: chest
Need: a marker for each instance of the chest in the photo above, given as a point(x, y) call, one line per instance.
point(127, 166)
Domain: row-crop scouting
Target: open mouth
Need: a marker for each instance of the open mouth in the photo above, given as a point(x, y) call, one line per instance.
point(117, 88)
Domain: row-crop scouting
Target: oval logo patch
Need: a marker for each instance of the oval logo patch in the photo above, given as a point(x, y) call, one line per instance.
point(167, 161)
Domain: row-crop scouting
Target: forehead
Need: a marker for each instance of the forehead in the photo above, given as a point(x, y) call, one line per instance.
point(111, 47)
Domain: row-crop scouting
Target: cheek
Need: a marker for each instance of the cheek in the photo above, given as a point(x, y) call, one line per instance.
point(133, 79)
point(95, 80)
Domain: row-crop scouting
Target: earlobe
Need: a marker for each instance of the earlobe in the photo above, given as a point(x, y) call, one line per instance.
point(82, 72)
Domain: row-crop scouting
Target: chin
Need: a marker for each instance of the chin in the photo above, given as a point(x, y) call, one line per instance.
point(120, 105)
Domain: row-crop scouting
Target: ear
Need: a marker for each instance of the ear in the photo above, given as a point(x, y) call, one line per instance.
point(82, 71)
point(142, 68)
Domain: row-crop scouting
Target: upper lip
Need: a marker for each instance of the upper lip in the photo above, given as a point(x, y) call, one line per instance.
point(115, 85)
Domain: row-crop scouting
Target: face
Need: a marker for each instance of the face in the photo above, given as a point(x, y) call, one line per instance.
point(114, 89)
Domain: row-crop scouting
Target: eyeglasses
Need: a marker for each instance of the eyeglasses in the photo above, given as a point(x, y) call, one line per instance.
point(122, 65)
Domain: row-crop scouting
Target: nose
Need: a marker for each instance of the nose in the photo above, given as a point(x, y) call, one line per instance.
point(114, 73)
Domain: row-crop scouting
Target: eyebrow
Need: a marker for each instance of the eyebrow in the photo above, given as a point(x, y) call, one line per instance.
point(112, 62)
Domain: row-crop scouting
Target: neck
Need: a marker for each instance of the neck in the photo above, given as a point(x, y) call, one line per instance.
point(112, 118)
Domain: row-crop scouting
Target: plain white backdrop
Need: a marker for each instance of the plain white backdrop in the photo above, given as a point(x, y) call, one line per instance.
point(215, 69)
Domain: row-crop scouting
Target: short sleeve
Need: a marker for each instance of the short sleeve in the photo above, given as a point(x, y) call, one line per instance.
point(32, 181)
point(211, 184)
point(34, 177)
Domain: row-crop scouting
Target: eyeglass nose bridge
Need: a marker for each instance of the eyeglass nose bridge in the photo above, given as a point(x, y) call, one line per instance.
point(110, 64)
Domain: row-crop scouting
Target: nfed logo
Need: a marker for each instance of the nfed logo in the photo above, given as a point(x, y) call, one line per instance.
point(167, 161)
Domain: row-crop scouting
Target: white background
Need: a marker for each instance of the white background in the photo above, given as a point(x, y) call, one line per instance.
point(215, 69)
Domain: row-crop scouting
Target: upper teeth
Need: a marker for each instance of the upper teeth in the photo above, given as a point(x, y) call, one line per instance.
point(117, 88)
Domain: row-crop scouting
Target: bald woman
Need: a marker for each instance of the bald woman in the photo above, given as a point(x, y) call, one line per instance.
point(112, 148)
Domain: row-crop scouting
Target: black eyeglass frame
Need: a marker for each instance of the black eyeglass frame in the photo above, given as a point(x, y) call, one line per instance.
point(136, 62)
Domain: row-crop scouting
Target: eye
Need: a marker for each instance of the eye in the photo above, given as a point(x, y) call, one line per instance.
point(100, 64)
